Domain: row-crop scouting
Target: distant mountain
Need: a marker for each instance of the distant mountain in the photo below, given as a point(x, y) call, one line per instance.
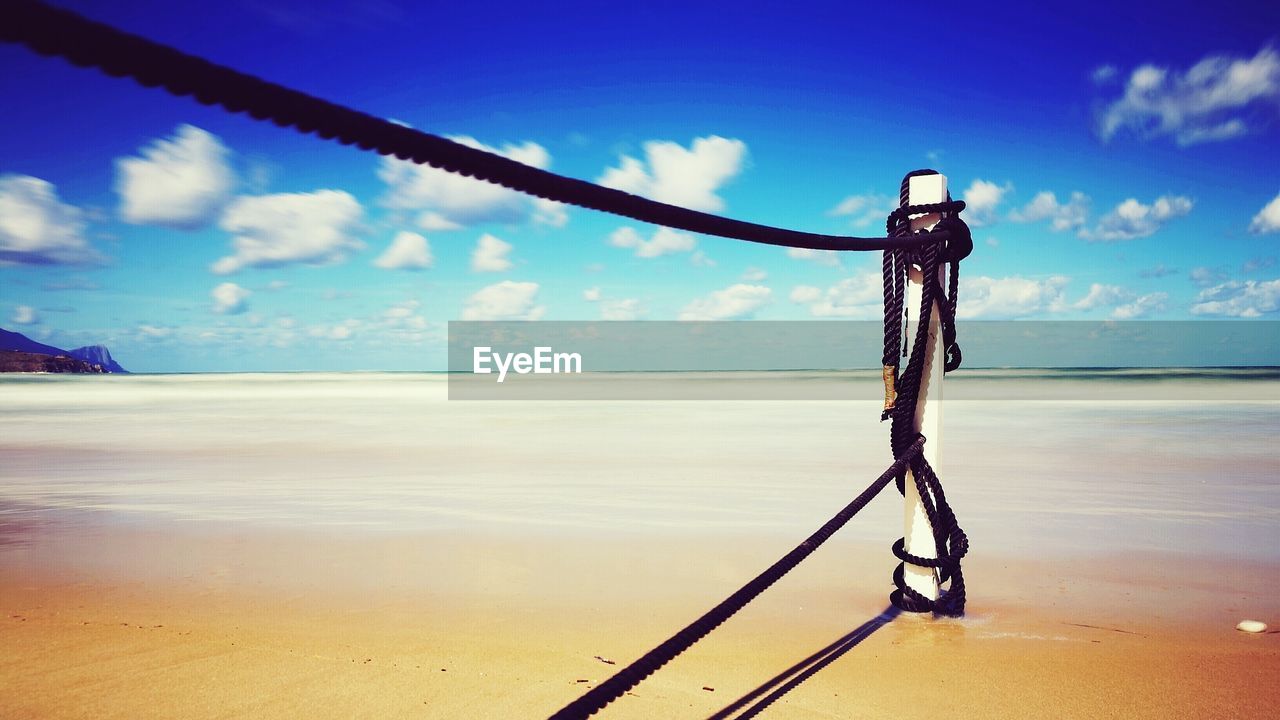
point(15, 361)
point(91, 358)
point(98, 355)
point(22, 343)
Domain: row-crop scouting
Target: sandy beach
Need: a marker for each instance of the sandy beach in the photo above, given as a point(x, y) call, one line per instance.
point(330, 546)
point(455, 361)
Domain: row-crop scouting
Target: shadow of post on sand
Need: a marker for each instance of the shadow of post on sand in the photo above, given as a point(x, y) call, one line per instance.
point(788, 679)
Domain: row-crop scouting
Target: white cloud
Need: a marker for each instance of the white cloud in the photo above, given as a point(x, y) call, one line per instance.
point(490, 255)
point(24, 315)
point(447, 201)
point(865, 210)
point(1104, 74)
point(678, 176)
point(399, 311)
point(1141, 307)
point(229, 298)
point(181, 181)
point(1229, 129)
point(1101, 295)
point(1062, 216)
point(1249, 298)
point(404, 321)
point(1009, 297)
point(754, 274)
point(506, 300)
point(1210, 101)
point(1132, 219)
point(736, 302)
point(36, 228)
point(431, 221)
point(663, 242)
point(272, 230)
point(550, 212)
point(623, 309)
point(1125, 304)
point(614, 309)
point(860, 296)
point(828, 258)
point(805, 294)
point(408, 251)
point(701, 259)
point(1268, 218)
point(1206, 276)
point(342, 331)
point(981, 199)
point(154, 332)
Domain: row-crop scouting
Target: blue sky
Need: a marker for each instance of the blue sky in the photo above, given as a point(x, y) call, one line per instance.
point(1119, 163)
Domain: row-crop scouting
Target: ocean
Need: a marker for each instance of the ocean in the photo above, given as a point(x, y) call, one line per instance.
point(1044, 462)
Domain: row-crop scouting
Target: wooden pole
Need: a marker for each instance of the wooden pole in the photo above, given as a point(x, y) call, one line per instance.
point(917, 533)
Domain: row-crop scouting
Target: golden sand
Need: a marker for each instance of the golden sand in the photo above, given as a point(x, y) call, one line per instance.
point(167, 622)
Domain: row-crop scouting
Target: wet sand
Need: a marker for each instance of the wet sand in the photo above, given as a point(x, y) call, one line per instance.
point(323, 546)
point(139, 622)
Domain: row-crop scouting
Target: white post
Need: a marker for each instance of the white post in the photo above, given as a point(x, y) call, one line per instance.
point(917, 533)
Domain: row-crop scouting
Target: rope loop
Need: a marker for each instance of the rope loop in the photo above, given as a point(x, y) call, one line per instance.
point(951, 543)
point(959, 242)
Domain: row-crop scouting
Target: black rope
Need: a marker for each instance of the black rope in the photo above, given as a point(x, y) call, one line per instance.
point(894, 268)
point(958, 245)
point(627, 678)
point(86, 43)
point(950, 542)
point(52, 31)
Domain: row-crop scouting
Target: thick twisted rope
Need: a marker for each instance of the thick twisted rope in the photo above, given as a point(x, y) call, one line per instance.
point(53, 31)
point(894, 269)
point(627, 678)
point(950, 542)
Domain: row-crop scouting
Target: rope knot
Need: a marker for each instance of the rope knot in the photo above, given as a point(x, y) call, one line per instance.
point(959, 243)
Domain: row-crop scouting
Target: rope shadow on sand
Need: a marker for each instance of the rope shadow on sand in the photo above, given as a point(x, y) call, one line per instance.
point(787, 680)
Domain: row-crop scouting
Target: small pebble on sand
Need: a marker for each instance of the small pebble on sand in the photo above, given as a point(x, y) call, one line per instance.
point(1252, 626)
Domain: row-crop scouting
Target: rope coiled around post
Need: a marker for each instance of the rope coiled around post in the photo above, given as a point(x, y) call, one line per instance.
point(950, 542)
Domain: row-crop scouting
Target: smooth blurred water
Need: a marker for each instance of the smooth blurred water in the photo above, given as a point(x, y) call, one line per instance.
point(389, 452)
